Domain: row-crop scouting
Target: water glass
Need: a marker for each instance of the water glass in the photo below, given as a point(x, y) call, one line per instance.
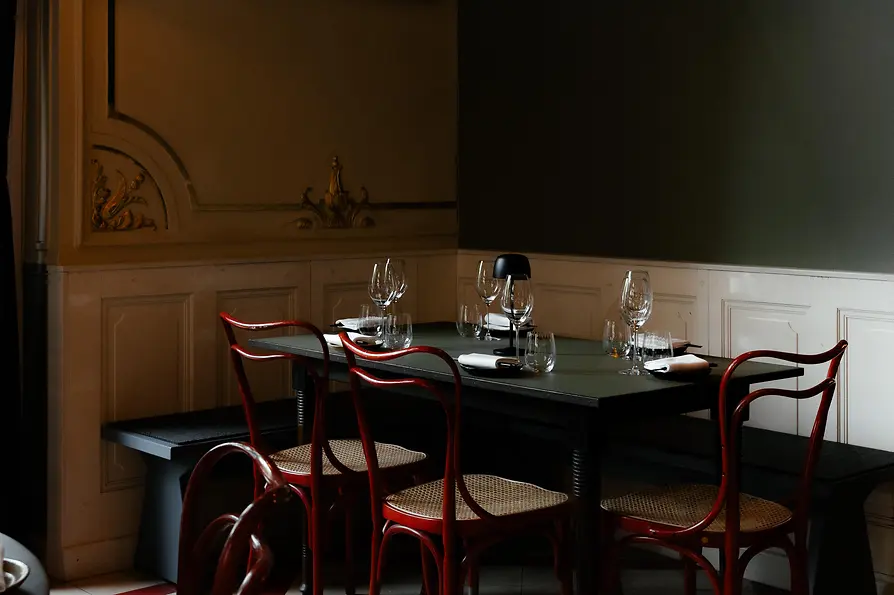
point(657, 345)
point(369, 322)
point(540, 354)
point(469, 321)
point(398, 331)
point(615, 338)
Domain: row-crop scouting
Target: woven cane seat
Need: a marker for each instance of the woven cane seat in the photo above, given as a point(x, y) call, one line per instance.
point(685, 505)
point(498, 496)
point(349, 452)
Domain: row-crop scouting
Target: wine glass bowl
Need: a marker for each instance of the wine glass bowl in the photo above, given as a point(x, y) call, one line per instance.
point(517, 303)
point(488, 288)
point(399, 277)
point(382, 286)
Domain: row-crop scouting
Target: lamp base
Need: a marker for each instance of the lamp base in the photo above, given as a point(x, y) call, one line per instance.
point(509, 352)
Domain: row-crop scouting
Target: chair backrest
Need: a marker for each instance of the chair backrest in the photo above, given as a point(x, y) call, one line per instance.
point(319, 442)
point(200, 553)
point(729, 495)
point(452, 406)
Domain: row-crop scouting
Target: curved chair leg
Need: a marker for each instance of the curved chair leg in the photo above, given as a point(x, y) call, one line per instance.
point(610, 573)
point(349, 550)
point(376, 555)
point(429, 574)
point(689, 574)
point(797, 563)
point(473, 577)
point(562, 565)
point(317, 529)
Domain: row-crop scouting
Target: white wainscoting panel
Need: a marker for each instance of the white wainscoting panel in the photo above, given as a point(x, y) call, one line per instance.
point(142, 340)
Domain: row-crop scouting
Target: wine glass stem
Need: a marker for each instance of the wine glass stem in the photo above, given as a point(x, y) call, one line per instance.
point(635, 345)
point(383, 308)
point(517, 349)
point(488, 336)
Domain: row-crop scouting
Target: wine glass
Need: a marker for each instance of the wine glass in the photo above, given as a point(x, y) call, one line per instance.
point(488, 288)
point(382, 289)
point(636, 308)
point(399, 275)
point(517, 302)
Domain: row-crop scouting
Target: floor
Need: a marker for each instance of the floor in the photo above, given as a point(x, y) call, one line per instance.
point(643, 575)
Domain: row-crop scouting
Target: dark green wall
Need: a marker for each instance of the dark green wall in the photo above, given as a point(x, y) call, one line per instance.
point(760, 133)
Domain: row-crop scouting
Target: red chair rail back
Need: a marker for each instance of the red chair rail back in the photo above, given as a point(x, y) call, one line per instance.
point(238, 354)
point(453, 479)
point(240, 533)
point(728, 497)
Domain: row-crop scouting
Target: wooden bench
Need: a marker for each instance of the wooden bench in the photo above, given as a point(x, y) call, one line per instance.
point(171, 445)
point(683, 448)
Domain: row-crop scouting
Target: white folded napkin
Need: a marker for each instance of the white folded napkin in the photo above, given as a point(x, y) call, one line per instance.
point(500, 322)
point(678, 365)
point(486, 361)
point(364, 340)
point(353, 324)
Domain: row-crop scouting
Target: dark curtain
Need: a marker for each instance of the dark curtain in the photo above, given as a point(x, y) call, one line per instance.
point(10, 390)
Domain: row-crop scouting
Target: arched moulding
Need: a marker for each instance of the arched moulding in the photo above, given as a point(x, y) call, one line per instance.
point(126, 198)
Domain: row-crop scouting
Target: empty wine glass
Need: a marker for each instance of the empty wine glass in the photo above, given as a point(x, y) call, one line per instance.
point(540, 353)
point(488, 288)
point(382, 287)
point(636, 308)
point(517, 303)
point(399, 277)
point(469, 321)
point(398, 331)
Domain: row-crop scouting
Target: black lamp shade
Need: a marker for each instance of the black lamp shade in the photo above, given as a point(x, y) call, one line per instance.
point(516, 265)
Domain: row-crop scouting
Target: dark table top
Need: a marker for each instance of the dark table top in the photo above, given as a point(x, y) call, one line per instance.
point(584, 376)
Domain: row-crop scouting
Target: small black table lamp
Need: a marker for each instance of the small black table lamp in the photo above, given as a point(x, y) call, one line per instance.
point(519, 267)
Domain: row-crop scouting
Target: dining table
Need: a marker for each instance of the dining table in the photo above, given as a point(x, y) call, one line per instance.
point(571, 404)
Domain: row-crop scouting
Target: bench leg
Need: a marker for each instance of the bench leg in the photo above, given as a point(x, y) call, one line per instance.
point(837, 541)
point(159, 537)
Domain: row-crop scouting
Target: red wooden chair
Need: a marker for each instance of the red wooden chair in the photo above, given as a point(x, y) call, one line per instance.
point(324, 484)
point(201, 555)
point(691, 517)
point(472, 511)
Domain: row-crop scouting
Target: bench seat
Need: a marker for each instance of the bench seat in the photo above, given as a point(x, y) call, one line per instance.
point(171, 445)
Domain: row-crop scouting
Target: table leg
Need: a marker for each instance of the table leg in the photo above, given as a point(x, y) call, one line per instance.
point(586, 487)
point(303, 388)
point(159, 535)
